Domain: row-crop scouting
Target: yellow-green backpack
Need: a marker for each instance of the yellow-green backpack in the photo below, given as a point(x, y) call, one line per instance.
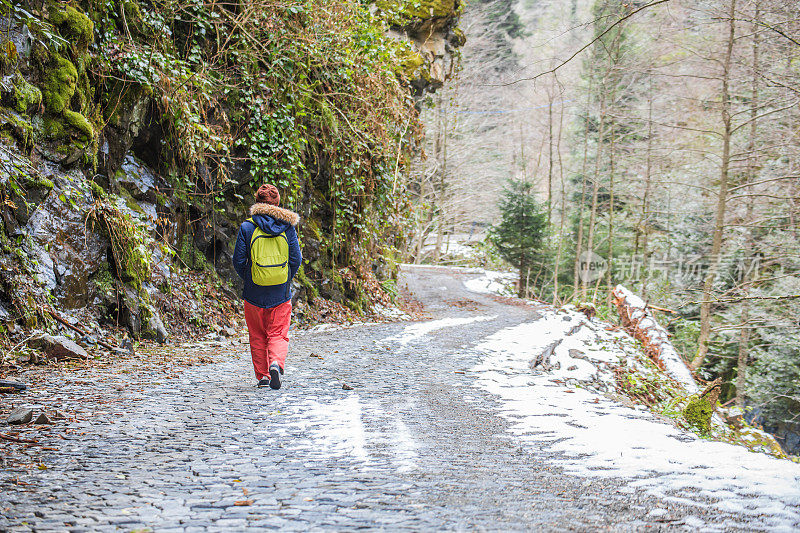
point(269, 257)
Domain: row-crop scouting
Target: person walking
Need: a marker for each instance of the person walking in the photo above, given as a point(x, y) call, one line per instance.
point(266, 257)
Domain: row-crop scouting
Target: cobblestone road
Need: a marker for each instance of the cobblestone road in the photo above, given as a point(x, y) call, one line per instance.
point(413, 446)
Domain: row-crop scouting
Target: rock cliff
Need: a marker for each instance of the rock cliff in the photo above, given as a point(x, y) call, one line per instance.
point(132, 134)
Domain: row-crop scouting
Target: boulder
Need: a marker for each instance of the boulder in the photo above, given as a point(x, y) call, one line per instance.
point(155, 329)
point(20, 415)
point(42, 419)
point(331, 290)
point(58, 347)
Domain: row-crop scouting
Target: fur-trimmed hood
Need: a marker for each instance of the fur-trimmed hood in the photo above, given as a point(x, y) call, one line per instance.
point(278, 213)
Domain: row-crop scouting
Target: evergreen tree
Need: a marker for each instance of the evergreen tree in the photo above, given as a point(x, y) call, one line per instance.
point(520, 234)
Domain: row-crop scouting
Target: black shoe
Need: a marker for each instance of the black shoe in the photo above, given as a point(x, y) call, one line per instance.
point(264, 382)
point(275, 372)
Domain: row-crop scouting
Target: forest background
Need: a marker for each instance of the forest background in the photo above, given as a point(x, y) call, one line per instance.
point(659, 139)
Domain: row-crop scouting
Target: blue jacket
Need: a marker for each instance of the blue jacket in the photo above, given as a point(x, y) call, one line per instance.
point(273, 220)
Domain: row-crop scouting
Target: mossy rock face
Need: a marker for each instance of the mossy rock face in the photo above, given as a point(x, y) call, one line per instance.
point(25, 95)
point(411, 64)
point(52, 128)
point(60, 80)
point(697, 413)
point(74, 26)
point(133, 15)
point(18, 127)
point(758, 440)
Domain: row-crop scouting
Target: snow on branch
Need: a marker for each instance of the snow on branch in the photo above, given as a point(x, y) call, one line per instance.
point(639, 322)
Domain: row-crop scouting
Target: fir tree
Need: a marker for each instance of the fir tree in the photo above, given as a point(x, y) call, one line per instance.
point(520, 234)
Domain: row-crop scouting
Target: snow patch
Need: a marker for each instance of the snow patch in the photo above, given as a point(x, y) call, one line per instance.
point(337, 425)
point(417, 331)
point(599, 437)
point(492, 282)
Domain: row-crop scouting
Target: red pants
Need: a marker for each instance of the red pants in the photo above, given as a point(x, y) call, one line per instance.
point(269, 335)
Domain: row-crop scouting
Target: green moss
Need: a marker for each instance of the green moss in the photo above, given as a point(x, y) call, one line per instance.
point(25, 94)
point(8, 56)
point(18, 128)
point(79, 122)
point(133, 14)
point(758, 440)
point(60, 79)
point(400, 11)
point(411, 64)
point(311, 290)
point(697, 413)
point(191, 256)
point(74, 26)
point(146, 312)
point(53, 127)
point(39, 182)
point(459, 38)
point(311, 226)
point(97, 190)
point(103, 281)
point(130, 201)
point(128, 243)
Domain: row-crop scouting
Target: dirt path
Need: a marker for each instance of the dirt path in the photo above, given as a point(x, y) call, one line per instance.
point(415, 445)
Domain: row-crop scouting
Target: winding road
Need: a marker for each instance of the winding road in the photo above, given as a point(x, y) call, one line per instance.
point(415, 445)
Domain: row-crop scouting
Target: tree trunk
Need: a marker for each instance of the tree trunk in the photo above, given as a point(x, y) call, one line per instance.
point(719, 223)
point(579, 243)
point(643, 225)
point(752, 168)
point(596, 184)
point(524, 272)
point(441, 159)
point(557, 268)
point(550, 159)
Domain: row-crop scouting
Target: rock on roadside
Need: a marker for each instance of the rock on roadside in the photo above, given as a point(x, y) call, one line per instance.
point(58, 347)
point(20, 415)
point(42, 419)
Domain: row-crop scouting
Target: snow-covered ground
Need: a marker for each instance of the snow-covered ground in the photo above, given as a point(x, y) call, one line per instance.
point(600, 437)
point(501, 283)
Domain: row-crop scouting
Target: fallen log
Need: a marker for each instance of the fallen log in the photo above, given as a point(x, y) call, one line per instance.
point(11, 386)
point(641, 325)
point(79, 330)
